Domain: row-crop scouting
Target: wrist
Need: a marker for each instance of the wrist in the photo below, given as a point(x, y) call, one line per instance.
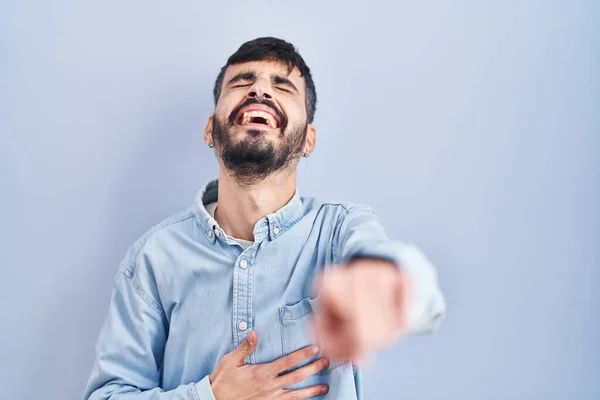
point(204, 390)
point(214, 386)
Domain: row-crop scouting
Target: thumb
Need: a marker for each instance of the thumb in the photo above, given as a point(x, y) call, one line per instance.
point(245, 348)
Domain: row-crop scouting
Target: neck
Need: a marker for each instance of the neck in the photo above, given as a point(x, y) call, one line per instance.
point(240, 206)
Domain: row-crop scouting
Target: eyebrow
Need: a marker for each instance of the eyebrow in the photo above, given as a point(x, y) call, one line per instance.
point(242, 76)
point(280, 80)
point(250, 76)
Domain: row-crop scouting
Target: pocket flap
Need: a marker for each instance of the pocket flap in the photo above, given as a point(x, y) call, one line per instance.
point(302, 309)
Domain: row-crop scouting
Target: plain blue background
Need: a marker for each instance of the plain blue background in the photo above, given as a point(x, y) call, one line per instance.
point(472, 128)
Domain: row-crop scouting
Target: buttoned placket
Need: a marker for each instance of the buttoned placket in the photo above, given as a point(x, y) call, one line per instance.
point(242, 315)
point(242, 297)
point(242, 290)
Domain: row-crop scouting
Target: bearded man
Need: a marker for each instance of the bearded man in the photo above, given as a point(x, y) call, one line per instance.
point(255, 292)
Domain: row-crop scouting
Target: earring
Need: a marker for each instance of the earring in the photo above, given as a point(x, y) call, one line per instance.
point(210, 145)
point(304, 153)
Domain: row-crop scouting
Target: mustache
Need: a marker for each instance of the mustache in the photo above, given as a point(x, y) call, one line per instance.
point(266, 102)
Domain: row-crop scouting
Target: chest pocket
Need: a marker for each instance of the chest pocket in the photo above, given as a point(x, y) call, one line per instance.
point(296, 331)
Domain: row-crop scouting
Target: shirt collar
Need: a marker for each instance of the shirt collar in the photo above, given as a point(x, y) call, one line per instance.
point(269, 227)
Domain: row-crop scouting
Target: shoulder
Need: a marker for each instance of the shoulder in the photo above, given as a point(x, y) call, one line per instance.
point(338, 208)
point(167, 229)
point(339, 215)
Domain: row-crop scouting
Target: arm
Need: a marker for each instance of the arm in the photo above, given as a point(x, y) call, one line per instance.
point(385, 289)
point(130, 347)
point(360, 235)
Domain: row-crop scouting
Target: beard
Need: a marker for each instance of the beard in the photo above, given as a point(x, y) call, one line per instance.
point(254, 158)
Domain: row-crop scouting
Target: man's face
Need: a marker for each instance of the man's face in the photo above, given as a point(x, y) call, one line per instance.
point(260, 121)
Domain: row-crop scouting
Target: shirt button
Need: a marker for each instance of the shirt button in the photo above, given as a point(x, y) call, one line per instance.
point(210, 234)
point(244, 265)
point(276, 230)
point(242, 325)
point(217, 232)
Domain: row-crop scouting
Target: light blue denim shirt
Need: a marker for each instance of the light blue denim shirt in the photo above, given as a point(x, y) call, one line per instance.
point(186, 294)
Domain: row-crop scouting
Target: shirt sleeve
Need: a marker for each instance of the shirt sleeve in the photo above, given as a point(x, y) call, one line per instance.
point(361, 235)
point(130, 347)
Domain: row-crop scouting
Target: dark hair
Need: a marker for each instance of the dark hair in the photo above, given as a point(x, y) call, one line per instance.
point(272, 49)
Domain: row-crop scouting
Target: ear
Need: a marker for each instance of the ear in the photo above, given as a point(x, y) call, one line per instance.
point(208, 139)
point(311, 139)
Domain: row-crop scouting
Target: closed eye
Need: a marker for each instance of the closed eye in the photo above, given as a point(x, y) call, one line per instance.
point(284, 89)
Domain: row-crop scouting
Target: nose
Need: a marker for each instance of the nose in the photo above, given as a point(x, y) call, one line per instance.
point(261, 88)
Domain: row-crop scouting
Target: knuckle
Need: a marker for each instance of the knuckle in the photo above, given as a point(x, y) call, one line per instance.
point(297, 377)
point(264, 390)
point(291, 395)
point(289, 363)
point(260, 374)
point(225, 358)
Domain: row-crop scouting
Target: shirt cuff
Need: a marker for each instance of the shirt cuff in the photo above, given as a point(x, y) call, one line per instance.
point(203, 390)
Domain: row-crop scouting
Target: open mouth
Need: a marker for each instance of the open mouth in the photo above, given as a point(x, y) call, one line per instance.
point(257, 117)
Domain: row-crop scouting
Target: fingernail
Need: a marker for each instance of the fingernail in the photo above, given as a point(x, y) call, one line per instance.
point(315, 349)
point(325, 362)
point(324, 389)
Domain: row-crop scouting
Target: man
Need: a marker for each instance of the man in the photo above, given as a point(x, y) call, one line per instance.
point(256, 292)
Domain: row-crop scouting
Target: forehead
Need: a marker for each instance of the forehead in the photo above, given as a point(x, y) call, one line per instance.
point(266, 68)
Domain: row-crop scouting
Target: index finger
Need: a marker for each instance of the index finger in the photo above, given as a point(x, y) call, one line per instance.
point(289, 361)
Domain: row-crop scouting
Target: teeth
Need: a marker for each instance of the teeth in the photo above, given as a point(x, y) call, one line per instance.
point(261, 114)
